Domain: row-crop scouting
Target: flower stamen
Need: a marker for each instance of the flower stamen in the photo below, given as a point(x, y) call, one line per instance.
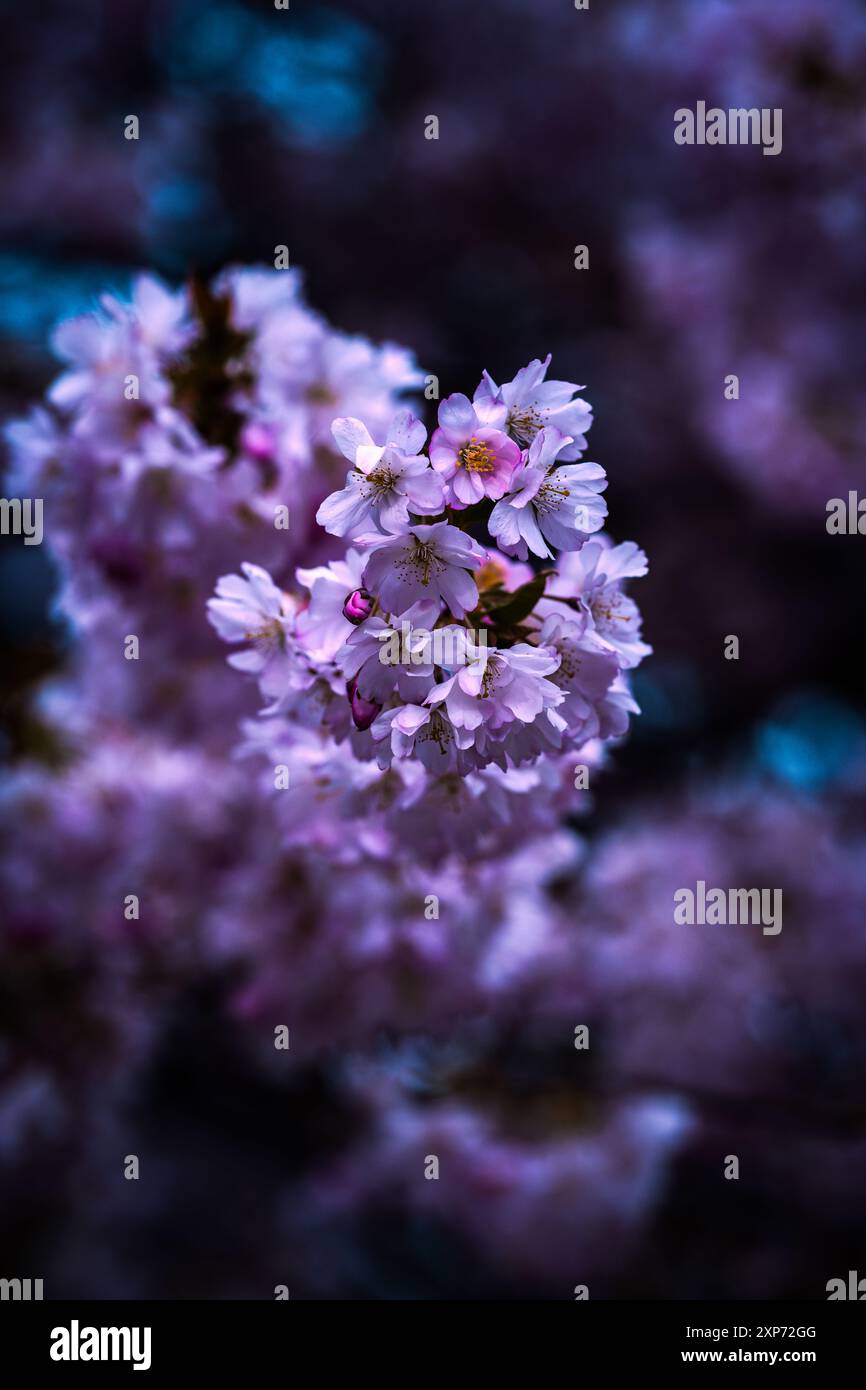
point(476, 457)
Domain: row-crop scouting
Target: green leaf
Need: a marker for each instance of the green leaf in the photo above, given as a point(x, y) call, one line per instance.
point(520, 604)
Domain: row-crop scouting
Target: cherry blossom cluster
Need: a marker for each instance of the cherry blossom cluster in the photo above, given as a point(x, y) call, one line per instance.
point(188, 427)
point(477, 624)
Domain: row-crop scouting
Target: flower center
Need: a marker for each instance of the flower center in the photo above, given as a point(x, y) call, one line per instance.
point(476, 456)
point(382, 479)
point(549, 497)
point(270, 633)
point(523, 425)
point(569, 664)
point(437, 731)
point(609, 607)
point(423, 559)
point(489, 680)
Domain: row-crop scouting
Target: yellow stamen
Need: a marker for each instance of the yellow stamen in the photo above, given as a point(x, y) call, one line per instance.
point(476, 456)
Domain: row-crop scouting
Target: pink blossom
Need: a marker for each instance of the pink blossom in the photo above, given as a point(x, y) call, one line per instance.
point(430, 563)
point(549, 503)
point(386, 480)
point(475, 459)
point(529, 403)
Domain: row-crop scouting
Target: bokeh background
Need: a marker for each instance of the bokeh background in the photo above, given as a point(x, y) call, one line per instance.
point(306, 127)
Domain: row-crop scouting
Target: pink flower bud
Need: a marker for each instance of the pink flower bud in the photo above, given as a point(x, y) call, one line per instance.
point(363, 711)
point(358, 606)
point(257, 441)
